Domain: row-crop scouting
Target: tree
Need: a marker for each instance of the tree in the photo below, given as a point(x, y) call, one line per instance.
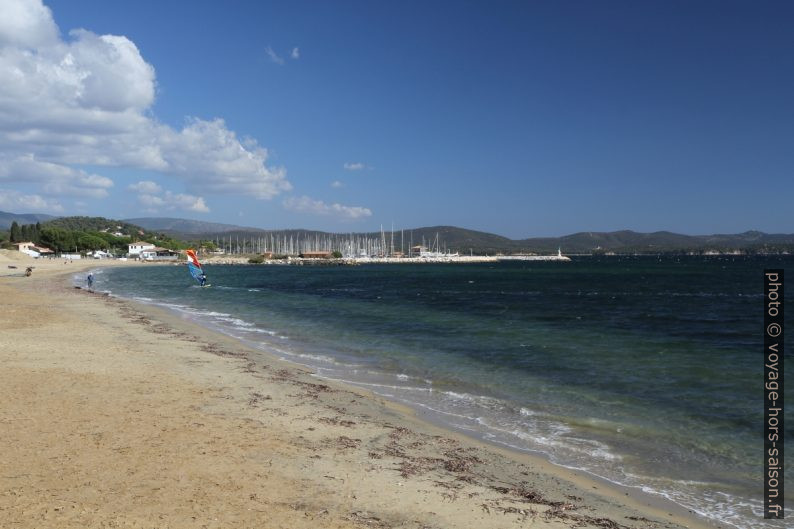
point(86, 241)
point(208, 246)
point(15, 233)
point(58, 239)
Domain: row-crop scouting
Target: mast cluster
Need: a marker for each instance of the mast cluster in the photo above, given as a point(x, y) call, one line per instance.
point(349, 245)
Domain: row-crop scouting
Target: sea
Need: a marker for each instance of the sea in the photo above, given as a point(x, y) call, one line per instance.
point(645, 371)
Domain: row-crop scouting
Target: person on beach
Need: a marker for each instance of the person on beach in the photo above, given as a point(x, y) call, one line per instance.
point(90, 280)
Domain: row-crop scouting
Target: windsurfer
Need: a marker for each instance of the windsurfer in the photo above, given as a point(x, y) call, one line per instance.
point(195, 268)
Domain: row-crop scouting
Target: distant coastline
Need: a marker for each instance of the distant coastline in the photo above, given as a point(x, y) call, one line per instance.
point(90, 233)
point(467, 241)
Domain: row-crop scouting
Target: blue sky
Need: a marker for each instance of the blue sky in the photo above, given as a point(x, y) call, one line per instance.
point(519, 118)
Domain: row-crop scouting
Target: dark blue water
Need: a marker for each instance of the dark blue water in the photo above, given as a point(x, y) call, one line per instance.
point(642, 370)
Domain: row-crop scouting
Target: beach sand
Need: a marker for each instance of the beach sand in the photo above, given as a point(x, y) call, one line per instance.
point(114, 414)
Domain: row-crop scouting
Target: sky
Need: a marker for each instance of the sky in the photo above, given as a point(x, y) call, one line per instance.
point(528, 118)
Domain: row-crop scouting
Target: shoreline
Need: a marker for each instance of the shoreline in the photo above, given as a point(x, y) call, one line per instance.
point(449, 479)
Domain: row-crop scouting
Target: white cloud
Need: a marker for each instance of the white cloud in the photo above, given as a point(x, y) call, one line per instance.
point(296, 53)
point(153, 202)
point(274, 56)
point(29, 23)
point(305, 204)
point(53, 178)
point(337, 184)
point(189, 202)
point(11, 200)
point(87, 100)
point(209, 157)
point(354, 166)
point(146, 186)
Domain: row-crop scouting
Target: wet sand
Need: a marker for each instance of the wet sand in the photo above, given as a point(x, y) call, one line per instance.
point(114, 414)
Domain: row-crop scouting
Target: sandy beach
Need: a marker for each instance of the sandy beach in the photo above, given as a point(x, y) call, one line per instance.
point(114, 414)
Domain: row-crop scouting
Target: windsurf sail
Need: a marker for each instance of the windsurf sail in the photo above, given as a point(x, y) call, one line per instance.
point(194, 266)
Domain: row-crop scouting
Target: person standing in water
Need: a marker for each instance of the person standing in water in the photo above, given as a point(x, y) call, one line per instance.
point(90, 280)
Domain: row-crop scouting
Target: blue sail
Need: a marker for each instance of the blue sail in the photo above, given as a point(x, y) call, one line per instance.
point(195, 271)
point(194, 266)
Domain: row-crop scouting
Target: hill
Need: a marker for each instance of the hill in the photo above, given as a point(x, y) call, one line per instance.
point(464, 241)
point(6, 219)
point(96, 224)
point(184, 227)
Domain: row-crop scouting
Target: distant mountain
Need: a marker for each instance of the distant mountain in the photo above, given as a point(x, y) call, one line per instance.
point(464, 241)
point(6, 219)
point(183, 227)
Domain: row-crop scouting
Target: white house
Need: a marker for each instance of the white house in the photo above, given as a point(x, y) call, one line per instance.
point(158, 254)
point(28, 248)
point(135, 248)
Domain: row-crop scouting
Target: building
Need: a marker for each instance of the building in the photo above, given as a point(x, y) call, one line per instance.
point(135, 248)
point(158, 254)
point(28, 248)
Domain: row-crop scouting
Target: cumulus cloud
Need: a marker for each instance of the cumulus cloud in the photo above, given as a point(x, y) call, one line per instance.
point(337, 184)
point(152, 198)
point(87, 99)
point(354, 166)
point(146, 186)
point(305, 204)
point(296, 53)
point(12, 200)
point(52, 178)
point(209, 157)
point(274, 57)
point(28, 23)
point(171, 201)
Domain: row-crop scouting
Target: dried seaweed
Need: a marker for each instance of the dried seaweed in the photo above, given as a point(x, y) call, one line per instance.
point(256, 398)
point(336, 421)
point(346, 442)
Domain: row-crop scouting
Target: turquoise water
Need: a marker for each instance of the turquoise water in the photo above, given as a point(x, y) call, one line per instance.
point(642, 370)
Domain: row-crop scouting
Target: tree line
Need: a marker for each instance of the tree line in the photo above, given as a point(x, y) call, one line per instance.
point(61, 240)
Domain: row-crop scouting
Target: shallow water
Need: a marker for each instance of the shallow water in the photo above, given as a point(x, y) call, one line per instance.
point(642, 370)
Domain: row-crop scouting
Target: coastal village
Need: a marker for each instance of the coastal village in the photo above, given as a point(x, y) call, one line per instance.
point(148, 252)
point(354, 249)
